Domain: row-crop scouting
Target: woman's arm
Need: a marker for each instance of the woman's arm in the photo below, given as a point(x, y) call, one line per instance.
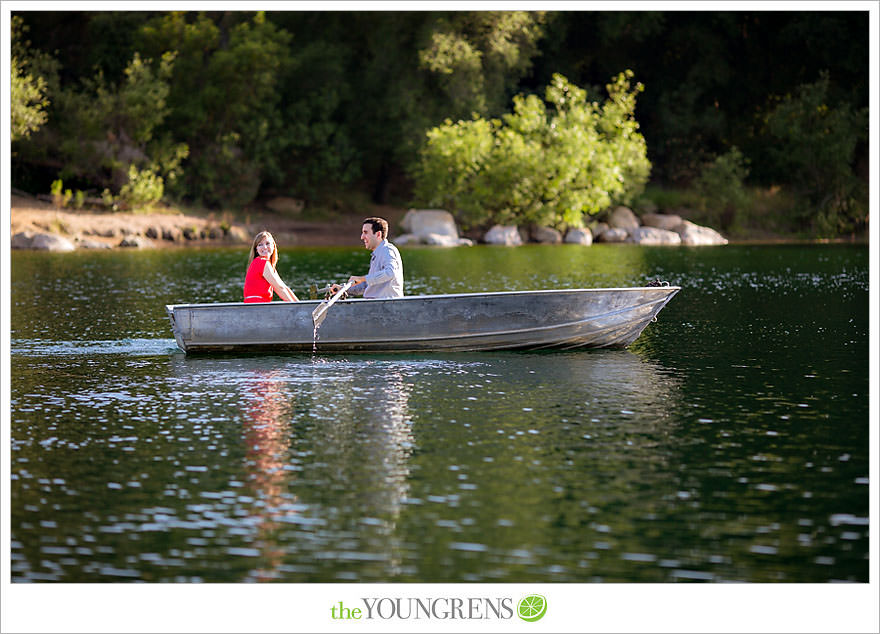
point(280, 287)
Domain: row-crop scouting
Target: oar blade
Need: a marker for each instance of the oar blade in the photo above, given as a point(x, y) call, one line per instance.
point(319, 314)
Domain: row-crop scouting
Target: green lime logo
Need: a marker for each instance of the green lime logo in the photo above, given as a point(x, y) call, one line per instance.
point(532, 608)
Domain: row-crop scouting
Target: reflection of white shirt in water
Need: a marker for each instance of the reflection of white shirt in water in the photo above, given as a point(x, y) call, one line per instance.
point(385, 278)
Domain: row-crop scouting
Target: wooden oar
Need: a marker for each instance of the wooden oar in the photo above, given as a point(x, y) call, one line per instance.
point(320, 313)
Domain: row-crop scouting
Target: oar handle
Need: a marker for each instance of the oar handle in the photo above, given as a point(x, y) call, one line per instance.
point(339, 294)
point(320, 312)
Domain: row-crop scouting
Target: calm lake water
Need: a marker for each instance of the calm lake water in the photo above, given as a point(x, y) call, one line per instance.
point(728, 443)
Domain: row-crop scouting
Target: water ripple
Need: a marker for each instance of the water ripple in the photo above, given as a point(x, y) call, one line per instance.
point(129, 347)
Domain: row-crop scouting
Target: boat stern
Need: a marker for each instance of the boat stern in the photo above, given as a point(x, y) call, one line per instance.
point(175, 326)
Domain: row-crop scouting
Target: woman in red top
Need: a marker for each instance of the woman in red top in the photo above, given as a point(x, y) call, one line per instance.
point(262, 278)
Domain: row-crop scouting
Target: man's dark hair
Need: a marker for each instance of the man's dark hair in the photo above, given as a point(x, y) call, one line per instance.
point(378, 224)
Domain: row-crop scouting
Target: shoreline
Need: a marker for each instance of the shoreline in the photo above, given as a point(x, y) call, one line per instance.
point(172, 229)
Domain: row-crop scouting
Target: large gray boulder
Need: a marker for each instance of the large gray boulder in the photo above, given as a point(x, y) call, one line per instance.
point(653, 236)
point(668, 222)
point(421, 222)
point(696, 235)
point(623, 218)
point(504, 235)
point(405, 239)
point(439, 240)
point(22, 240)
point(431, 239)
point(579, 236)
point(597, 229)
point(546, 235)
point(613, 234)
point(51, 242)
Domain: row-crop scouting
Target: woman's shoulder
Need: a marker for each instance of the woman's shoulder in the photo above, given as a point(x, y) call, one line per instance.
point(258, 263)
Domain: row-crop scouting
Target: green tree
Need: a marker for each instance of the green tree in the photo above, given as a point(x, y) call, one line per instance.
point(476, 58)
point(538, 164)
point(814, 145)
point(366, 85)
point(27, 102)
point(225, 90)
point(304, 102)
point(28, 92)
point(107, 132)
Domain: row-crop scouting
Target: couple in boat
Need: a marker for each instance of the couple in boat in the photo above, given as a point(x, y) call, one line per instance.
point(384, 280)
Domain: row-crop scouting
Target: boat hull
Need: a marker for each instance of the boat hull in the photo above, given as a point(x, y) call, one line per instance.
point(570, 318)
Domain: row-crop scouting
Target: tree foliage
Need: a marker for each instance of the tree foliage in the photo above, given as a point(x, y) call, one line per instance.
point(476, 58)
point(28, 99)
point(815, 146)
point(227, 107)
point(545, 163)
point(107, 132)
point(226, 90)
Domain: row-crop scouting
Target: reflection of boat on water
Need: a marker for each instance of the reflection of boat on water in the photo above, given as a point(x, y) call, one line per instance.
point(572, 318)
point(267, 438)
point(348, 463)
point(325, 447)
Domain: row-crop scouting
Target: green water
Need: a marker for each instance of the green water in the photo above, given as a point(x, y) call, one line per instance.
point(728, 443)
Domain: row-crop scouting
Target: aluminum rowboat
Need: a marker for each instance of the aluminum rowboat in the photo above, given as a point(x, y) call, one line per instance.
point(567, 318)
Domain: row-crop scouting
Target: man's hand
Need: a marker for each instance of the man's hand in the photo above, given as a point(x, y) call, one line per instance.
point(354, 279)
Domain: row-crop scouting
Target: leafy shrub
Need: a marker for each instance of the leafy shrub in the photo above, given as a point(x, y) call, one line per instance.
point(143, 189)
point(720, 187)
point(60, 197)
point(544, 163)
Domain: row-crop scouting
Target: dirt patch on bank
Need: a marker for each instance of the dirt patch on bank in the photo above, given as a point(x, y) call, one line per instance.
point(174, 230)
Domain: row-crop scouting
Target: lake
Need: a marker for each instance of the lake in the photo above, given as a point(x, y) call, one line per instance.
point(730, 442)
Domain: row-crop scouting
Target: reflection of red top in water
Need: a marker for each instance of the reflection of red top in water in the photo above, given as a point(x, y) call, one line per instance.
point(256, 288)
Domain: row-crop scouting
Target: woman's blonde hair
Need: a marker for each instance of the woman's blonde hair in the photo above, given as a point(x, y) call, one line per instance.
point(273, 259)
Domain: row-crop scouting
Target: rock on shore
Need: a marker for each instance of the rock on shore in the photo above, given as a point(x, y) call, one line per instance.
point(437, 227)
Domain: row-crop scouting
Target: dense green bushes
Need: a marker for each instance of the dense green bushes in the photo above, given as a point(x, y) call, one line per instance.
point(106, 134)
point(814, 146)
point(542, 164)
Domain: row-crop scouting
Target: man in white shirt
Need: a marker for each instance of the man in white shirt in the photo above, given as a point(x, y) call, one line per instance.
point(385, 279)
